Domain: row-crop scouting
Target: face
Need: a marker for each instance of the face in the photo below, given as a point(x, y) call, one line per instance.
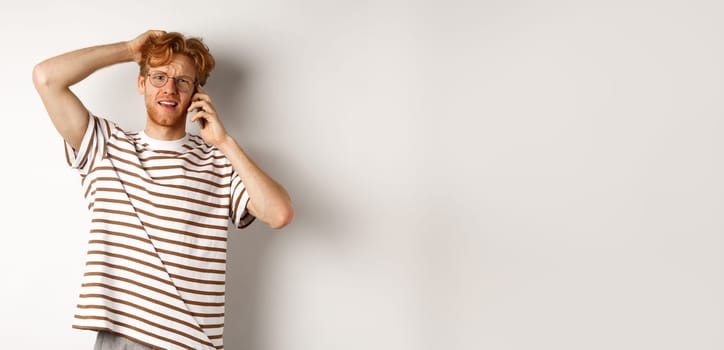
point(166, 106)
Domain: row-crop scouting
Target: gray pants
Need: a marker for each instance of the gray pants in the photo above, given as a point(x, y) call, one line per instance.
point(110, 341)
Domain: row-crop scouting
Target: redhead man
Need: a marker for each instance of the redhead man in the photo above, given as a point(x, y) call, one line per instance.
point(160, 199)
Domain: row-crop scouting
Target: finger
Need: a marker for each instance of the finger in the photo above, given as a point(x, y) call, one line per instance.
point(201, 116)
point(196, 106)
point(156, 32)
point(202, 93)
point(208, 116)
point(201, 105)
point(201, 96)
point(193, 106)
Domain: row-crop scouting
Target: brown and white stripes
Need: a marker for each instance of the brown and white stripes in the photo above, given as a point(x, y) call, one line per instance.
point(156, 263)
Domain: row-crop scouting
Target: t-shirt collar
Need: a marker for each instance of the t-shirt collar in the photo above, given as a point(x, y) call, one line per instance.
point(173, 145)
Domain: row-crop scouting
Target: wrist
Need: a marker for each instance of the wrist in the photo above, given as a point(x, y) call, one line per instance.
point(131, 53)
point(227, 143)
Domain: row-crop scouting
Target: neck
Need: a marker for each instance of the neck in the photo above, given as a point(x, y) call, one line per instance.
point(164, 133)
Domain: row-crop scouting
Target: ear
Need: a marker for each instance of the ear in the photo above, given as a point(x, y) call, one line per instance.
point(141, 84)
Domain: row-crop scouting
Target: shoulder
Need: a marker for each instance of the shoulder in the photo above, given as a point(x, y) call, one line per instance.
point(108, 128)
point(202, 149)
point(197, 143)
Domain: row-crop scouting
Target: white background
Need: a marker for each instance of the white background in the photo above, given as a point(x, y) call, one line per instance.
point(466, 174)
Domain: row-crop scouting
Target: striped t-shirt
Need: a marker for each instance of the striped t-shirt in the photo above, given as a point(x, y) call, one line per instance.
point(156, 261)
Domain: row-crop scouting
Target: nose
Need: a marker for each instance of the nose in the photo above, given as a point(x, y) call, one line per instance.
point(170, 86)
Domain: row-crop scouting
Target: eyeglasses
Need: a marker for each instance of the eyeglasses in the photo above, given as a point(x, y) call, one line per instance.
point(183, 83)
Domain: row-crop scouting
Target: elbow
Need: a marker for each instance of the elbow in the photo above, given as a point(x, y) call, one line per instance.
point(282, 218)
point(46, 78)
point(276, 216)
point(40, 77)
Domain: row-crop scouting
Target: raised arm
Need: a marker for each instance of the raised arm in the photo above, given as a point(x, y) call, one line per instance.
point(54, 77)
point(268, 200)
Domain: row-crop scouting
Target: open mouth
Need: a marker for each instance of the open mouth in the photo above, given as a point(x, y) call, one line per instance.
point(168, 103)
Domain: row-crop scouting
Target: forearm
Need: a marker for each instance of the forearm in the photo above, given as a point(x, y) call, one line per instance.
point(269, 201)
point(65, 70)
point(54, 77)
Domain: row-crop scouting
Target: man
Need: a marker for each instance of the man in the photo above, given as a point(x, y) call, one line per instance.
point(160, 199)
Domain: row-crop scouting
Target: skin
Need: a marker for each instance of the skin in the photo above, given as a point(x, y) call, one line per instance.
point(167, 122)
point(269, 201)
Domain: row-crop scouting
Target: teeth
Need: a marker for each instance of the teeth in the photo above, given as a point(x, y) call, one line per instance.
point(168, 103)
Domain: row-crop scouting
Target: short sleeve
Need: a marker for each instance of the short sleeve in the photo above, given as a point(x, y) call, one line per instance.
point(92, 147)
point(239, 199)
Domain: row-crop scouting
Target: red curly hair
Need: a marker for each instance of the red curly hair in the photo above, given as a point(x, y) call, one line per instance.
point(159, 51)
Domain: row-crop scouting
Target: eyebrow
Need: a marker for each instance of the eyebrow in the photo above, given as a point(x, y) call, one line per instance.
point(176, 76)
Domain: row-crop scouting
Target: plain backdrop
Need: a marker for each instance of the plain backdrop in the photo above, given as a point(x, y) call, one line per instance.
point(506, 175)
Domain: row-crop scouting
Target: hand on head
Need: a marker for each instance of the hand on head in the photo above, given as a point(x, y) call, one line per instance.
point(135, 45)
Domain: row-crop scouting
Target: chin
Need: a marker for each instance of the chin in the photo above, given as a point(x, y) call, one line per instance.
point(166, 120)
